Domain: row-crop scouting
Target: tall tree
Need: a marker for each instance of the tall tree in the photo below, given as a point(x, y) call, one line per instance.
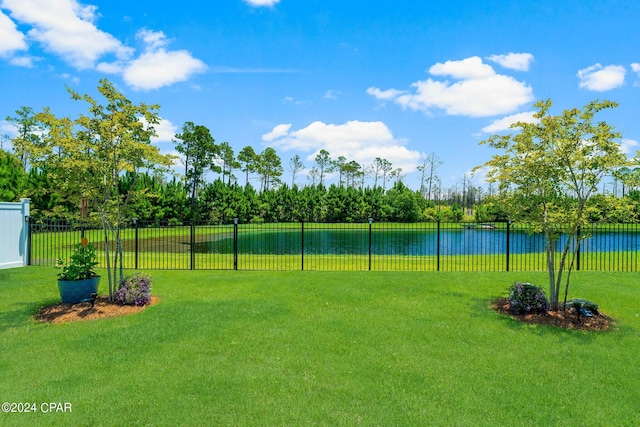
point(385, 167)
point(428, 169)
point(248, 159)
point(26, 143)
point(199, 149)
point(548, 171)
point(90, 153)
point(324, 164)
point(228, 162)
point(313, 175)
point(339, 164)
point(295, 166)
point(353, 173)
point(269, 168)
point(375, 171)
point(397, 174)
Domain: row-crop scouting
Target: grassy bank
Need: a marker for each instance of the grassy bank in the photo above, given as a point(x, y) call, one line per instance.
point(321, 348)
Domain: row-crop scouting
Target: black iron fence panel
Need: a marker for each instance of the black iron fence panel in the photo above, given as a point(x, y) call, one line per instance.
point(436, 246)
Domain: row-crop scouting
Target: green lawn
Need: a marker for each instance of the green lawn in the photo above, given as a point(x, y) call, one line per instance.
point(321, 348)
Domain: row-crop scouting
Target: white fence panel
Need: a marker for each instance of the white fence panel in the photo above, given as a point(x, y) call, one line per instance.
point(14, 232)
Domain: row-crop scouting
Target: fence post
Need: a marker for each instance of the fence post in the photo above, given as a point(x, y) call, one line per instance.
point(235, 243)
point(438, 248)
point(135, 226)
point(578, 234)
point(193, 244)
point(302, 243)
point(28, 222)
point(370, 223)
point(508, 242)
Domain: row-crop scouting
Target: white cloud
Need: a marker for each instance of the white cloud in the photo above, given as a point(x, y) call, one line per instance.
point(277, 132)
point(514, 61)
point(22, 61)
point(385, 95)
point(598, 78)
point(153, 70)
point(158, 67)
point(355, 140)
point(636, 68)
point(11, 39)
point(66, 28)
point(469, 68)
point(506, 122)
point(165, 130)
point(628, 146)
point(258, 3)
point(153, 40)
point(332, 94)
point(480, 91)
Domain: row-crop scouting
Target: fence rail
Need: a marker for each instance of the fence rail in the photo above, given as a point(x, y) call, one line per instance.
point(433, 246)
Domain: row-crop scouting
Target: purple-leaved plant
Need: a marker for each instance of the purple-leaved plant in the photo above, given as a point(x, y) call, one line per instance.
point(527, 298)
point(135, 290)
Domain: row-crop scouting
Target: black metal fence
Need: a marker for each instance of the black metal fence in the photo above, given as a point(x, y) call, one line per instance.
point(364, 246)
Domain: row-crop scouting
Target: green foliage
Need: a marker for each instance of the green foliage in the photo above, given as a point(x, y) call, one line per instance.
point(12, 177)
point(82, 264)
point(28, 141)
point(525, 298)
point(199, 150)
point(88, 155)
point(490, 210)
point(548, 171)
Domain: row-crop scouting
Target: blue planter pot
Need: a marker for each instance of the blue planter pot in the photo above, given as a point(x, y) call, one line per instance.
point(74, 291)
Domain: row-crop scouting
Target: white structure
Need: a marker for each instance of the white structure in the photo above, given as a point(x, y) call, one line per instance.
point(14, 233)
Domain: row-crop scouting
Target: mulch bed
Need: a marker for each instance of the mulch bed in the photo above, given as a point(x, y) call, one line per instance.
point(61, 313)
point(567, 319)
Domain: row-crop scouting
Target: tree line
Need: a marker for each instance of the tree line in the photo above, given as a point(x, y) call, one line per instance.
point(250, 185)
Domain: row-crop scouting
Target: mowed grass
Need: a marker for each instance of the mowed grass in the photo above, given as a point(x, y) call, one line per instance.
point(321, 348)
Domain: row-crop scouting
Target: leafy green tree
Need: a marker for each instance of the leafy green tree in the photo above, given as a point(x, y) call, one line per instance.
point(12, 177)
point(89, 154)
point(199, 149)
point(29, 138)
point(548, 171)
point(402, 204)
point(269, 168)
point(339, 165)
point(353, 174)
point(323, 164)
point(248, 160)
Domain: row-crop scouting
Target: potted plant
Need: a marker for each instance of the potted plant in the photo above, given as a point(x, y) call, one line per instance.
point(78, 279)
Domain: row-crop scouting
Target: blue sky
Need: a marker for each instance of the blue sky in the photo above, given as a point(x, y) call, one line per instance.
point(361, 79)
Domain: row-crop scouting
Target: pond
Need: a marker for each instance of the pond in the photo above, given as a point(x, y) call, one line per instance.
point(408, 242)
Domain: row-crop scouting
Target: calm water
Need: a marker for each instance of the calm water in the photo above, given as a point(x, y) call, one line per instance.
point(414, 242)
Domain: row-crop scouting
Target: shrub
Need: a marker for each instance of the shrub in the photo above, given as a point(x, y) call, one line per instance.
point(526, 298)
point(135, 290)
point(82, 264)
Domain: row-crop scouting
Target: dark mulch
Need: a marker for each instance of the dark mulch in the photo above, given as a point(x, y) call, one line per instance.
point(567, 319)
